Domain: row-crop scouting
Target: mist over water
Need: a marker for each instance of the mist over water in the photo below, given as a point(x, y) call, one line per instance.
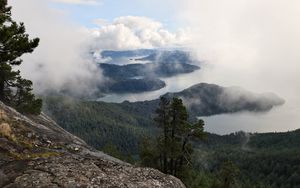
point(272, 121)
point(280, 118)
point(255, 122)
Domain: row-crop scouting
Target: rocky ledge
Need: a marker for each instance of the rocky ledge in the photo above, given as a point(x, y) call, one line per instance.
point(36, 152)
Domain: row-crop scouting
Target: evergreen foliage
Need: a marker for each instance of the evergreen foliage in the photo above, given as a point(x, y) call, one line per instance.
point(172, 151)
point(99, 123)
point(228, 174)
point(114, 151)
point(14, 42)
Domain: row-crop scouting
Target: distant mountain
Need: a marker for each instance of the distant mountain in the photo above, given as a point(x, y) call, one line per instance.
point(142, 77)
point(209, 99)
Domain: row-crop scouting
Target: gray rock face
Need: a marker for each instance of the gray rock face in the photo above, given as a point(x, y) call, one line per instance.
point(36, 152)
point(76, 171)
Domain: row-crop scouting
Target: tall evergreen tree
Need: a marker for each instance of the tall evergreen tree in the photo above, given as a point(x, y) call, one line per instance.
point(163, 121)
point(179, 126)
point(173, 148)
point(14, 42)
point(228, 174)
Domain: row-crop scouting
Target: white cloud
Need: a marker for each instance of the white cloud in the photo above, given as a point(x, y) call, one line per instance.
point(86, 2)
point(247, 39)
point(250, 43)
point(131, 32)
point(60, 61)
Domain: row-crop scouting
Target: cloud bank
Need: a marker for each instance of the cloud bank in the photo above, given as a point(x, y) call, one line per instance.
point(255, 40)
point(253, 44)
point(132, 32)
point(61, 61)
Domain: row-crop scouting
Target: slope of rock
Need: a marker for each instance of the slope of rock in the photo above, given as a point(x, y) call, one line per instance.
point(36, 152)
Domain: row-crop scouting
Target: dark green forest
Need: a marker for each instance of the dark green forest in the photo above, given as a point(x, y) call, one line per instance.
point(99, 123)
point(250, 160)
point(263, 159)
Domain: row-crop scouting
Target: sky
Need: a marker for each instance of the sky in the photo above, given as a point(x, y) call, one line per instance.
point(86, 12)
point(249, 43)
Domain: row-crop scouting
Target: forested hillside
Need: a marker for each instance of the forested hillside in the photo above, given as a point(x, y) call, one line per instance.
point(263, 160)
point(99, 123)
point(125, 123)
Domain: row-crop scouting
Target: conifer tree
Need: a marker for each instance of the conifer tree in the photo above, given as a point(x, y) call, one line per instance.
point(163, 121)
point(179, 126)
point(228, 173)
point(173, 149)
point(14, 42)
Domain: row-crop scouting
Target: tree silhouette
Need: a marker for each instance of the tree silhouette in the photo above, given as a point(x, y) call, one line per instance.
point(14, 42)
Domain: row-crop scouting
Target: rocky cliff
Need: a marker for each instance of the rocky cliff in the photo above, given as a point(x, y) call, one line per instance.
point(36, 152)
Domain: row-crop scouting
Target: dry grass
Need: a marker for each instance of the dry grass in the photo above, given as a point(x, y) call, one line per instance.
point(3, 115)
point(5, 130)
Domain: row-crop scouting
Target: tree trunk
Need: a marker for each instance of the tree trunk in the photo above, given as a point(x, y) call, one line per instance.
point(175, 168)
point(165, 163)
point(160, 162)
point(2, 97)
point(182, 152)
point(171, 166)
point(165, 169)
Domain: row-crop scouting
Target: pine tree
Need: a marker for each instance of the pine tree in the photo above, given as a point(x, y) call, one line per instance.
point(228, 174)
point(195, 130)
point(163, 121)
point(179, 126)
point(173, 147)
point(14, 42)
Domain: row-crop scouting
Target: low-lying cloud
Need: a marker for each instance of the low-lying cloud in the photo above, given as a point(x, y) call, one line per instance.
point(247, 42)
point(253, 44)
point(61, 62)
